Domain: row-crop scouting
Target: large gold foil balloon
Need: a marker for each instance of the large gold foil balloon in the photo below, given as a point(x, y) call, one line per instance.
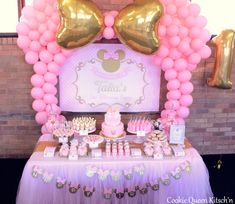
point(221, 77)
point(81, 23)
point(136, 25)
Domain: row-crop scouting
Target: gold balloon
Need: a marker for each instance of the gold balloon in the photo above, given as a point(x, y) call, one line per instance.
point(136, 25)
point(221, 77)
point(81, 23)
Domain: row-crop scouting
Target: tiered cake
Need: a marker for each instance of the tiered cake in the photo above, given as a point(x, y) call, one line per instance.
point(112, 126)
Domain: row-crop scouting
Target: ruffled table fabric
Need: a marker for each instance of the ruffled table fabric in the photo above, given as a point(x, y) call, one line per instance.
point(90, 173)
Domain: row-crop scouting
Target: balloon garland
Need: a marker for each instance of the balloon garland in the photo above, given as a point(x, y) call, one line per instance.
point(182, 46)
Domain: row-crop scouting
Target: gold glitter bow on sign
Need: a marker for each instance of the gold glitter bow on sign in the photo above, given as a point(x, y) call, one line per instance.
point(136, 25)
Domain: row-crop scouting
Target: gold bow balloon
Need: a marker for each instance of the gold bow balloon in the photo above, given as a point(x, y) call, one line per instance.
point(136, 25)
point(221, 77)
point(81, 23)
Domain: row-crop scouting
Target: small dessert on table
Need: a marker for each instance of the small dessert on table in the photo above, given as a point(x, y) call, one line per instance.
point(82, 149)
point(63, 134)
point(64, 150)
point(73, 154)
point(84, 124)
point(112, 127)
point(167, 150)
point(157, 137)
point(93, 140)
point(140, 124)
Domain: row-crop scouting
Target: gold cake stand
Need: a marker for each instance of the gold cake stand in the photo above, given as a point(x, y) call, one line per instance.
point(123, 135)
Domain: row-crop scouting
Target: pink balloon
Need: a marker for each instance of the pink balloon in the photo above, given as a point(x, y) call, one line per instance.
point(194, 58)
point(172, 105)
point(166, 20)
point(42, 41)
point(114, 13)
point(183, 46)
point(192, 67)
point(45, 56)
point(23, 42)
point(170, 74)
point(183, 12)
point(37, 80)
point(51, 78)
point(161, 31)
point(163, 51)
point(205, 35)
point(33, 24)
point(109, 20)
point(49, 36)
point(40, 68)
point(53, 68)
point(173, 84)
point(34, 35)
point(167, 63)
point(35, 46)
point(180, 3)
point(41, 17)
point(42, 28)
point(41, 117)
point(197, 44)
point(48, 10)
point(186, 100)
point(201, 21)
point(31, 57)
point(184, 76)
point(186, 88)
point(183, 32)
point(28, 12)
point(52, 26)
point(40, 5)
point(39, 105)
point(49, 98)
point(49, 88)
point(37, 93)
point(174, 53)
point(173, 95)
point(67, 52)
point(180, 64)
point(53, 47)
point(44, 130)
point(164, 114)
point(183, 112)
point(194, 32)
point(172, 30)
point(171, 9)
point(180, 121)
point(53, 109)
point(174, 41)
point(194, 9)
point(55, 18)
point(108, 33)
point(22, 28)
point(190, 21)
point(59, 59)
point(205, 52)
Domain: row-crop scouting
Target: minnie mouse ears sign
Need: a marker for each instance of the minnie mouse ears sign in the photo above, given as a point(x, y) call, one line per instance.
point(100, 75)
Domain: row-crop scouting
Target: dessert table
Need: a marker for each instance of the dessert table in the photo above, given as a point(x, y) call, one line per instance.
point(112, 180)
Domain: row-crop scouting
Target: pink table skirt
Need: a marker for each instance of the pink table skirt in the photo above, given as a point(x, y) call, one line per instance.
point(145, 172)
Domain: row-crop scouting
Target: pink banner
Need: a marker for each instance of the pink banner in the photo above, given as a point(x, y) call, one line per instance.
point(100, 75)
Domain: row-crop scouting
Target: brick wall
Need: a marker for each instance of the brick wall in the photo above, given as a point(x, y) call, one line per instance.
point(210, 127)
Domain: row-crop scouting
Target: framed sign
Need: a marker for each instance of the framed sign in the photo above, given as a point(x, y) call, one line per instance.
point(177, 134)
point(101, 75)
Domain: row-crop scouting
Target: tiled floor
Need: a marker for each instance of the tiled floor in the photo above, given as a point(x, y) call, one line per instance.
point(222, 181)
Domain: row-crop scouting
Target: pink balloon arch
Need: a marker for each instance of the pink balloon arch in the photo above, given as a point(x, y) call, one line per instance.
point(183, 45)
